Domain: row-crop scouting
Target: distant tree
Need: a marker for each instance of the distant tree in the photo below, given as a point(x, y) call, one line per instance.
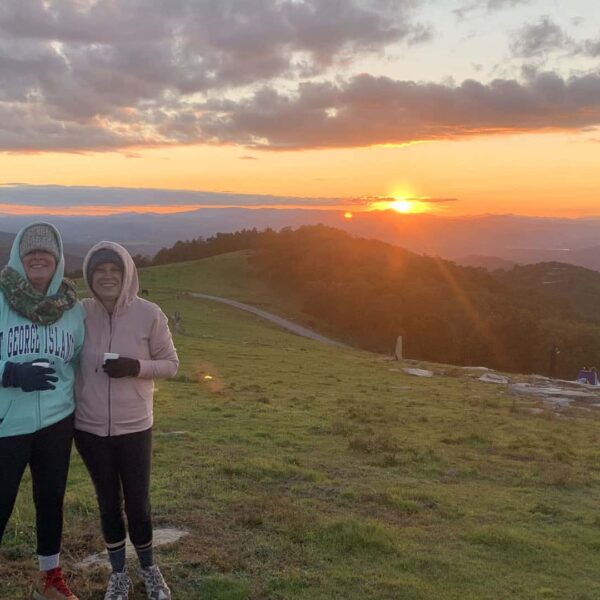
point(220, 243)
point(141, 261)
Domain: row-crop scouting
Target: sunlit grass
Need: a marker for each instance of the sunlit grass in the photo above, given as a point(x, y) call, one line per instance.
point(312, 472)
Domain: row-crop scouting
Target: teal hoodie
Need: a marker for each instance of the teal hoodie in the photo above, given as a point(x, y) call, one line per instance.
point(23, 341)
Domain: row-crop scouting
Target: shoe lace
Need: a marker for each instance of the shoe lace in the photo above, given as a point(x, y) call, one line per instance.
point(154, 577)
point(119, 582)
point(54, 579)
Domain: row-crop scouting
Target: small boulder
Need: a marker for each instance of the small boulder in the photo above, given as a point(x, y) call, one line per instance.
point(494, 378)
point(418, 372)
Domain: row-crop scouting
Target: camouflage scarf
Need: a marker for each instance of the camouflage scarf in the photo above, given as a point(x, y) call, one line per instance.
point(29, 303)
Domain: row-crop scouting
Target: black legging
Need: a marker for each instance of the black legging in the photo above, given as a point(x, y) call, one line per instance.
point(47, 452)
point(120, 468)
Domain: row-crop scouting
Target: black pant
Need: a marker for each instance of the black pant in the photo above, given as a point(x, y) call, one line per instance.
point(120, 468)
point(47, 452)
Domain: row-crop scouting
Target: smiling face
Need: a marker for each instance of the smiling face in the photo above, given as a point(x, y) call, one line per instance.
point(107, 283)
point(39, 267)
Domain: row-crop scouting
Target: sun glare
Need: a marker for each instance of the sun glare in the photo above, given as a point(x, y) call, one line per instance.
point(401, 204)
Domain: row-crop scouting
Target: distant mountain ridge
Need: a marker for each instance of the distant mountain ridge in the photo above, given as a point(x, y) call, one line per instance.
point(490, 263)
point(578, 286)
point(509, 237)
point(588, 257)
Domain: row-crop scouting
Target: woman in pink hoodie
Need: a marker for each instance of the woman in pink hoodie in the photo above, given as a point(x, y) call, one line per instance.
point(113, 415)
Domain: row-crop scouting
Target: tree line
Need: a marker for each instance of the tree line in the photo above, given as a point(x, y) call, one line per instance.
point(369, 292)
point(220, 243)
point(366, 293)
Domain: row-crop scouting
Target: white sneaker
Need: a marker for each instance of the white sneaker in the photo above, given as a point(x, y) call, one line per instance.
point(118, 586)
point(156, 588)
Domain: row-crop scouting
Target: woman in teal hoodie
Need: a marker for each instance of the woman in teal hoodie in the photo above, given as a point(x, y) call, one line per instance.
point(41, 334)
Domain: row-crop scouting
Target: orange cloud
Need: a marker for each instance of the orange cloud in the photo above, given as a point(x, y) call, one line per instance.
point(366, 110)
point(91, 211)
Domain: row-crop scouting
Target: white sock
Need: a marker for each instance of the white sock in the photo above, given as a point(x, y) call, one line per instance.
point(48, 562)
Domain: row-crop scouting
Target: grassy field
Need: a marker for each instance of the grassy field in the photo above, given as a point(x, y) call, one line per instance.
point(308, 472)
point(232, 276)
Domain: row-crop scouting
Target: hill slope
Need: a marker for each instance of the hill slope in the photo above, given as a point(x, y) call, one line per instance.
point(577, 285)
point(366, 293)
point(308, 472)
point(233, 275)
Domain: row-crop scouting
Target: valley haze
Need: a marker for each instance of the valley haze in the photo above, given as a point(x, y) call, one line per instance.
point(491, 241)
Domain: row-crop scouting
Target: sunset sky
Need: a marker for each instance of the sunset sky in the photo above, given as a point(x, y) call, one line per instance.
point(470, 106)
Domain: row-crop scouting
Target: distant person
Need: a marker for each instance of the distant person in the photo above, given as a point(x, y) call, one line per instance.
point(584, 375)
point(593, 377)
point(590, 375)
point(554, 352)
point(41, 334)
point(177, 321)
point(113, 417)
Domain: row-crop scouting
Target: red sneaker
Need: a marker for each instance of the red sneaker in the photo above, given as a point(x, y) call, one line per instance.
point(50, 585)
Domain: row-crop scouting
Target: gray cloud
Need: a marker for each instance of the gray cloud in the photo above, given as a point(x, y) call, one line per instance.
point(361, 111)
point(136, 49)
point(502, 4)
point(31, 129)
point(110, 74)
point(486, 6)
point(84, 75)
point(591, 47)
point(538, 39)
point(368, 110)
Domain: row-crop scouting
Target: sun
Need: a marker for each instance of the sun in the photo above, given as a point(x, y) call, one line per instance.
point(402, 205)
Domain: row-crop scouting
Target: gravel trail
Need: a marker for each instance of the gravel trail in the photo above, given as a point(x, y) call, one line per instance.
point(289, 325)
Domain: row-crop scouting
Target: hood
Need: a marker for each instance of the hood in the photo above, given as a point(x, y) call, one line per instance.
point(16, 263)
point(131, 284)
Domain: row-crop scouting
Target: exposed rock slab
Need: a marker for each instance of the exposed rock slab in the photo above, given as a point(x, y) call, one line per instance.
point(528, 389)
point(418, 372)
point(494, 378)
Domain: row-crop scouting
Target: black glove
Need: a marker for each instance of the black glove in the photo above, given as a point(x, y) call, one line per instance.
point(29, 377)
point(122, 367)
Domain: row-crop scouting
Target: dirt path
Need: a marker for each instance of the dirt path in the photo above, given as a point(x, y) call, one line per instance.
point(289, 325)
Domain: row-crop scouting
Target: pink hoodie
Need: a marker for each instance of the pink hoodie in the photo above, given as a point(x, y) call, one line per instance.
point(136, 329)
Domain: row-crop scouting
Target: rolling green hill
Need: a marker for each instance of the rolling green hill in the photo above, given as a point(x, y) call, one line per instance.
point(230, 275)
point(233, 275)
point(307, 472)
point(366, 293)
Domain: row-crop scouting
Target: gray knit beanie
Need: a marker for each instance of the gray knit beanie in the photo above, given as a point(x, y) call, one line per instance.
point(104, 255)
point(39, 237)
